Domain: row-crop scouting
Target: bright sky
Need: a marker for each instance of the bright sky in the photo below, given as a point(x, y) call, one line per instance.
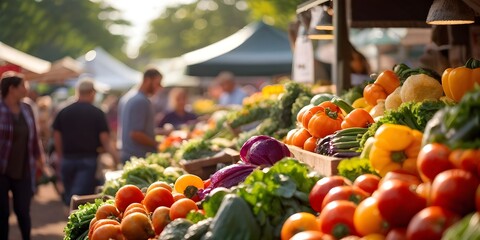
point(140, 13)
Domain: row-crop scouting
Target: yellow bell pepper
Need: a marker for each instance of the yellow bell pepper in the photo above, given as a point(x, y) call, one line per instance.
point(395, 147)
point(457, 81)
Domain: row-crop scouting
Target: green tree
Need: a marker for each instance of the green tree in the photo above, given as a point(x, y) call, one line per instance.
point(52, 29)
point(183, 28)
point(278, 13)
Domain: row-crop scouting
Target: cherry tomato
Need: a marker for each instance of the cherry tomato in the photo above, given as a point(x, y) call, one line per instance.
point(336, 219)
point(455, 190)
point(398, 202)
point(349, 193)
point(322, 187)
point(430, 223)
point(367, 182)
point(367, 218)
point(432, 160)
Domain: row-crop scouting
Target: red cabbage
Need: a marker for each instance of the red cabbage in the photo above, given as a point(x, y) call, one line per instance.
point(229, 176)
point(248, 144)
point(263, 150)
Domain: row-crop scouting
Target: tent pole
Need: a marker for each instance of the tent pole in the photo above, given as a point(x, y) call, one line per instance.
point(341, 65)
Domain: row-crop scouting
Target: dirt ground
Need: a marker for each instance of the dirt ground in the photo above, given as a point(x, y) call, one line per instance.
point(49, 216)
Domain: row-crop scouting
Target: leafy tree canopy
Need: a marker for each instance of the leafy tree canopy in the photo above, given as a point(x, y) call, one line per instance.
point(52, 29)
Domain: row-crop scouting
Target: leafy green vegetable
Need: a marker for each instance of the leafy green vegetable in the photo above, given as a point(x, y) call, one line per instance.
point(161, 159)
point(195, 216)
point(249, 114)
point(457, 126)
point(282, 112)
point(467, 228)
point(139, 172)
point(354, 167)
point(195, 149)
point(276, 193)
point(412, 114)
point(79, 221)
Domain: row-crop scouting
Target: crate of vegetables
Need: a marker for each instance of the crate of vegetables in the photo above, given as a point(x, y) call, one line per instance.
point(325, 165)
point(204, 167)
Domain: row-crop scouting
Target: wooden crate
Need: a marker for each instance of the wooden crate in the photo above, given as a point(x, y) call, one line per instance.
point(325, 165)
point(205, 167)
point(78, 200)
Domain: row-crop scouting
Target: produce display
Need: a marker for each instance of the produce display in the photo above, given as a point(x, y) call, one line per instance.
point(408, 146)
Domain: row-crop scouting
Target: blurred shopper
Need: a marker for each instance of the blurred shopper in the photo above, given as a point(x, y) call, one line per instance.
point(136, 129)
point(20, 153)
point(231, 93)
point(178, 115)
point(360, 69)
point(80, 131)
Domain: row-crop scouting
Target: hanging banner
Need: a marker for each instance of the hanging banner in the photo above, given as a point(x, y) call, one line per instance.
point(303, 66)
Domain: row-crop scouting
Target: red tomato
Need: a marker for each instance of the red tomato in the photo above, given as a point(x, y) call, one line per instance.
point(336, 219)
point(367, 182)
point(349, 193)
point(432, 160)
point(398, 202)
point(455, 190)
point(430, 223)
point(157, 197)
point(402, 176)
point(424, 189)
point(466, 159)
point(126, 195)
point(397, 234)
point(321, 188)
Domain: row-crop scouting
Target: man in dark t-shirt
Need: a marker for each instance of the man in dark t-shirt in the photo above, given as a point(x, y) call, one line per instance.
point(80, 131)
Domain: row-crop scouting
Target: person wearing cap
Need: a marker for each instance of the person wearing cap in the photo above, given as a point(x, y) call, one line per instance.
point(80, 133)
point(231, 93)
point(20, 153)
point(136, 127)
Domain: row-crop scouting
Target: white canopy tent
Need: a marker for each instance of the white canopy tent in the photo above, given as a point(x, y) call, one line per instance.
point(108, 71)
point(25, 61)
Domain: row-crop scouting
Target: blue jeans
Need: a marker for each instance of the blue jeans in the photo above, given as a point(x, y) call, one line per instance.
point(22, 196)
point(78, 176)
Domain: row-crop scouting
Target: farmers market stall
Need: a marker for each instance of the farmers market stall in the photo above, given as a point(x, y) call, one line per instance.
point(395, 158)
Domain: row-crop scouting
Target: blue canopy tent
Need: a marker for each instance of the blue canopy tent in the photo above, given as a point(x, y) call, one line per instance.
point(257, 49)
